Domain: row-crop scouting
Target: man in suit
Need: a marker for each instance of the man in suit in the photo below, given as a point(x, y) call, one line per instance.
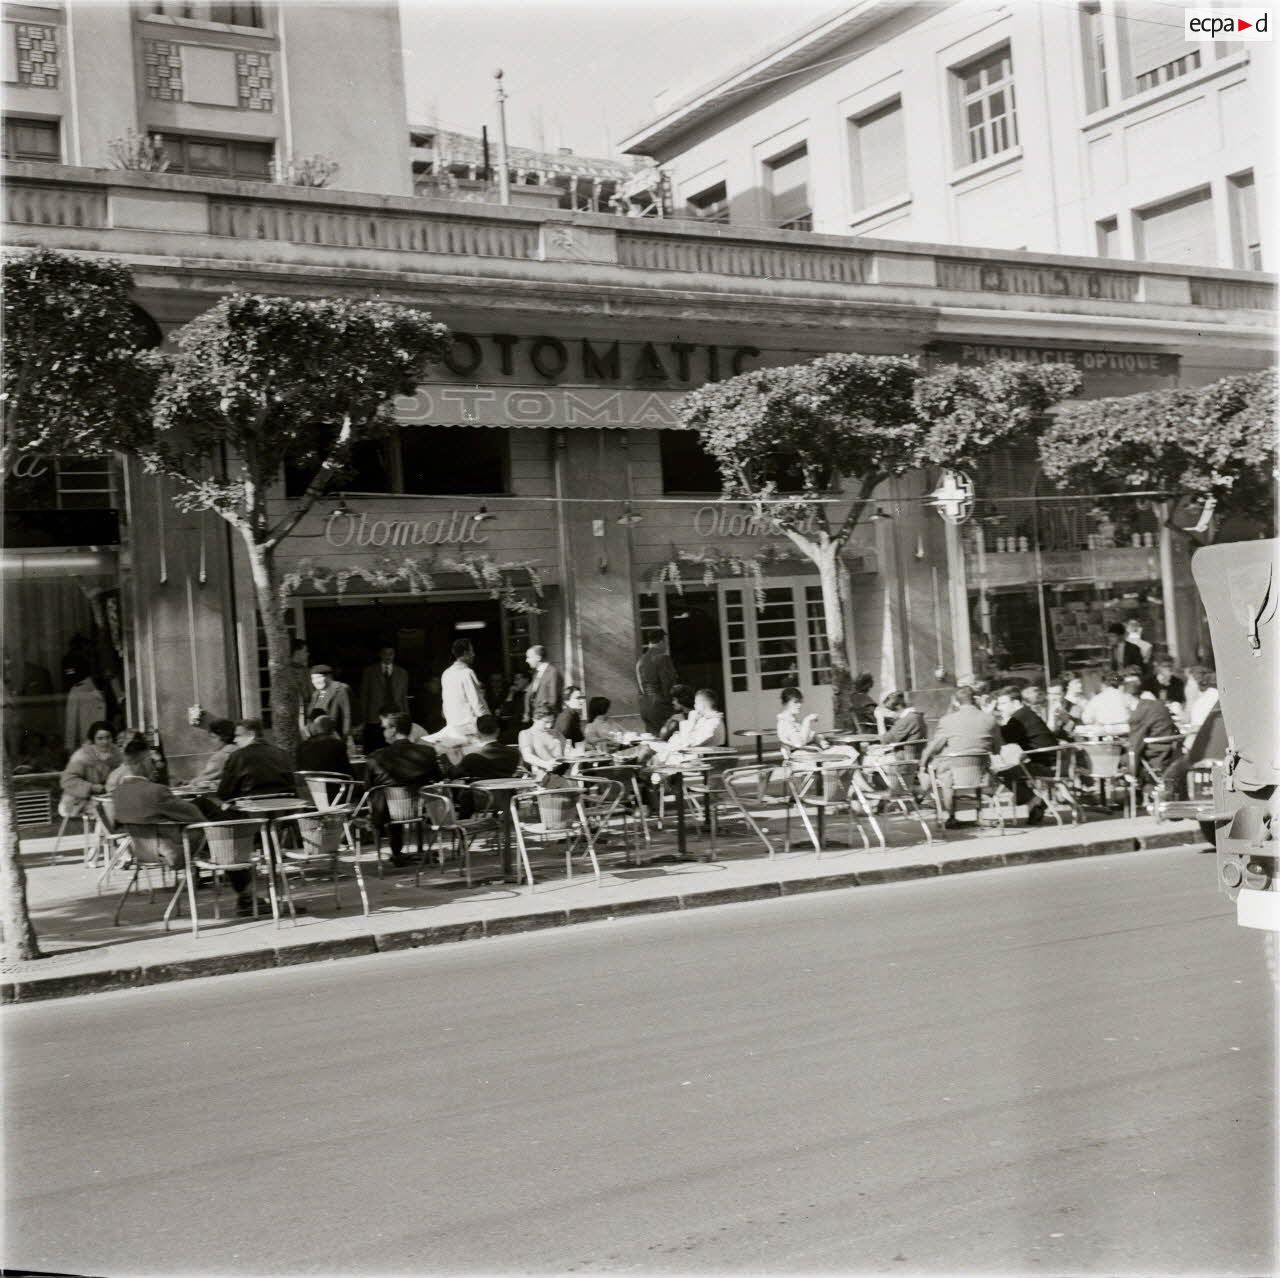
point(324, 750)
point(384, 689)
point(1123, 652)
point(546, 689)
point(331, 697)
point(965, 730)
point(400, 762)
point(1150, 718)
point(656, 676)
point(1021, 725)
point(255, 766)
point(1167, 686)
point(488, 760)
point(138, 800)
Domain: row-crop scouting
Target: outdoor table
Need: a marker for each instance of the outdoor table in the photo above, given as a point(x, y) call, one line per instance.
point(859, 740)
point(759, 734)
point(504, 786)
point(674, 770)
point(818, 764)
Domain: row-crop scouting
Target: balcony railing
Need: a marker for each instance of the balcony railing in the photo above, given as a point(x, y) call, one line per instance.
point(64, 201)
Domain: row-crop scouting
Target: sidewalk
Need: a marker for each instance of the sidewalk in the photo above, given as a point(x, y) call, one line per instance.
point(85, 953)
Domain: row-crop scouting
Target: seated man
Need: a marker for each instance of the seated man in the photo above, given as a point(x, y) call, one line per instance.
point(966, 730)
point(682, 701)
point(1151, 719)
point(1023, 727)
point(416, 731)
point(141, 801)
point(1209, 743)
point(704, 726)
point(401, 762)
point(907, 733)
point(324, 750)
point(256, 766)
point(542, 748)
point(1108, 710)
point(488, 759)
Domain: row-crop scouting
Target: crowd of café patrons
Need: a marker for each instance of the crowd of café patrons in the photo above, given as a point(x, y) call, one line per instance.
point(539, 725)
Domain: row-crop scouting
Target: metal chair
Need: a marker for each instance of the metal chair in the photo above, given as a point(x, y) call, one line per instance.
point(403, 809)
point(827, 787)
point(241, 844)
point(328, 789)
point(551, 816)
point(321, 839)
point(900, 779)
point(155, 846)
point(603, 802)
point(633, 806)
point(441, 817)
point(970, 774)
point(1053, 788)
point(115, 842)
point(1149, 776)
point(1107, 762)
point(756, 792)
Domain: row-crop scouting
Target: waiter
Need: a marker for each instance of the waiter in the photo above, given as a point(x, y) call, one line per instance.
point(384, 689)
point(656, 676)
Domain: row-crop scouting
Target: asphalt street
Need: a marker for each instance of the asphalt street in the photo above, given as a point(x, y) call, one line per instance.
point(1054, 1069)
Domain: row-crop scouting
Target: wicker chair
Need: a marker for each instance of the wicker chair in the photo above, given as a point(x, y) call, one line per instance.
point(403, 809)
point(155, 847)
point(228, 845)
point(1107, 763)
point(440, 814)
point(971, 775)
point(552, 816)
point(320, 838)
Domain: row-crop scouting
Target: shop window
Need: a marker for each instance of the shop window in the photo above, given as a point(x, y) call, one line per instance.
point(218, 157)
point(878, 155)
point(370, 469)
point(819, 645)
point(787, 182)
point(449, 460)
point(686, 466)
point(988, 112)
point(32, 140)
point(1179, 230)
point(1246, 238)
point(711, 205)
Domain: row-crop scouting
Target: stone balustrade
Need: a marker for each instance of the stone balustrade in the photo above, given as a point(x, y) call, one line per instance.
point(48, 196)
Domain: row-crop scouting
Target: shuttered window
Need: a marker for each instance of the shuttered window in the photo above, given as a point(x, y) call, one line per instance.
point(1179, 231)
point(878, 155)
point(787, 181)
point(1152, 36)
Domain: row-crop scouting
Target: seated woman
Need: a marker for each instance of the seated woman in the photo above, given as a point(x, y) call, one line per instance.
point(543, 749)
point(601, 732)
point(223, 731)
point(87, 770)
point(796, 730)
point(864, 705)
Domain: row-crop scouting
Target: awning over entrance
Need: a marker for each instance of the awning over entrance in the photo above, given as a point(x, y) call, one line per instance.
point(539, 406)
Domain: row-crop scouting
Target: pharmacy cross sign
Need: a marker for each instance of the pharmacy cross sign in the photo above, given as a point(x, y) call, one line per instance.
point(953, 498)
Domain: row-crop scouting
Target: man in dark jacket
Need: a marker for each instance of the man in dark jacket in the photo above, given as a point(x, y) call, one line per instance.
point(490, 760)
point(1022, 726)
point(1149, 719)
point(256, 766)
point(324, 750)
point(1166, 684)
point(402, 763)
point(656, 676)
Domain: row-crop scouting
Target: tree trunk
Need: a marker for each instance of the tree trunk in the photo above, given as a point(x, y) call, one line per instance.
point(16, 930)
point(284, 700)
point(826, 554)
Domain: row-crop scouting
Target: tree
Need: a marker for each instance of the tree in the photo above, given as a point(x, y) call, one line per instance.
point(73, 376)
point(257, 381)
point(1209, 443)
point(784, 438)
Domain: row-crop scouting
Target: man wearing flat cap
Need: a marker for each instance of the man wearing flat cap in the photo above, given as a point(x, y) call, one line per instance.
point(332, 698)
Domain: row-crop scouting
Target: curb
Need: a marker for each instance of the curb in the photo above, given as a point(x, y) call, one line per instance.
point(287, 955)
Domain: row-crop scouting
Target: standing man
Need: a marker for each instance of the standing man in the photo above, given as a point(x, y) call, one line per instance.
point(331, 697)
point(656, 676)
point(462, 701)
point(1122, 651)
point(546, 689)
point(384, 689)
point(965, 730)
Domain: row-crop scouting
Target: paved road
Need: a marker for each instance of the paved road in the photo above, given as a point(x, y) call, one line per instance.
point(1048, 1069)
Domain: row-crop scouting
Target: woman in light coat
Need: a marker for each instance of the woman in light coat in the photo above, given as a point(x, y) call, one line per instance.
point(87, 770)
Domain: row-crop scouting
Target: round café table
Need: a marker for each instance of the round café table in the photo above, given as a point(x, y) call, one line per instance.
point(503, 786)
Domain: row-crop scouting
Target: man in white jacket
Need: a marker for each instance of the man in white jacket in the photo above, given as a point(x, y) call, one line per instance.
point(463, 700)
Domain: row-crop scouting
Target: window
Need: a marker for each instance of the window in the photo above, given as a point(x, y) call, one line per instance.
point(686, 467)
point(1153, 44)
point(1095, 57)
point(819, 645)
point(711, 205)
point(423, 460)
point(878, 155)
point(32, 140)
point(453, 460)
point(1246, 239)
point(787, 182)
point(1109, 237)
point(1179, 230)
point(240, 15)
point(218, 157)
point(987, 109)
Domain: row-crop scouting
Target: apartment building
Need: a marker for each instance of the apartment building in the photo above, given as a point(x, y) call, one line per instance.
point(1090, 128)
point(239, 90)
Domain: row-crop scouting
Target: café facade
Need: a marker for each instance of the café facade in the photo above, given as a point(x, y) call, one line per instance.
point(539, 489)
